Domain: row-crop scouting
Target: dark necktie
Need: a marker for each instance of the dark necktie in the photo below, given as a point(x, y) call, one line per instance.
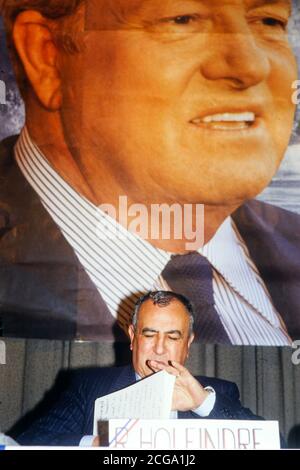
point(191, 275)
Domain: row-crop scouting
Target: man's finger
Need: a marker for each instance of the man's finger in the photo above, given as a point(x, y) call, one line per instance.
point(161, 366)
point(179, 367)
point(148, 363)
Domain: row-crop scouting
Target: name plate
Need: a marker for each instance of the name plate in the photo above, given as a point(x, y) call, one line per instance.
point(192, 434)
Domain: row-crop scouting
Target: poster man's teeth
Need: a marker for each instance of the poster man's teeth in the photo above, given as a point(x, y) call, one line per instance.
point(244, 118)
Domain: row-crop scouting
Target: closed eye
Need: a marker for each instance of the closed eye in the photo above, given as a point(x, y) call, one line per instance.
point(174, 338)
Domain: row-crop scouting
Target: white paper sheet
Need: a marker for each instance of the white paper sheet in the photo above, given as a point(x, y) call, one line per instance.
point(149, 398)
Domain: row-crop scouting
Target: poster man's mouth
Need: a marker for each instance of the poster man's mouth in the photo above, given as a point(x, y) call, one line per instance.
point(237, 117)
point(227, 121)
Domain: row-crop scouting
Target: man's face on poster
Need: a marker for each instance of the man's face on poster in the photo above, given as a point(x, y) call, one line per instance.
point(184, 97)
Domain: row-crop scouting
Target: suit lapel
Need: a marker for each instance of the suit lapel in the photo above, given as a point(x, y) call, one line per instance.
point(188, 415)
point(272, 236)
point(44, 290)
point(125, 378)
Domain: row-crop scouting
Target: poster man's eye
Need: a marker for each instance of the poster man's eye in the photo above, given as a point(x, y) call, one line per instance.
point(180, 20)
point(183, 19)
point(274, 22)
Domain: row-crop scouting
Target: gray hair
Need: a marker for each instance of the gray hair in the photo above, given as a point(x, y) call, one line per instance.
point(163, 299)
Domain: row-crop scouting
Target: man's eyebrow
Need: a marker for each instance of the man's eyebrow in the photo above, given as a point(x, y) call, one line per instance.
point(149, 330)
point(285, 3)
point(174, 332)
point(169, 332)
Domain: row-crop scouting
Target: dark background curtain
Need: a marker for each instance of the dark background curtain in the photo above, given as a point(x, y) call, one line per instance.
point(269, 383)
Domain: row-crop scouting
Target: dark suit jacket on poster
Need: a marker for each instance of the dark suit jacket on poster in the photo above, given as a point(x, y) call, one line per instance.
point(72, 417)
point(45, 293)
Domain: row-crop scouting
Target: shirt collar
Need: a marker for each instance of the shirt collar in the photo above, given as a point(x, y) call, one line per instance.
point(229, 255)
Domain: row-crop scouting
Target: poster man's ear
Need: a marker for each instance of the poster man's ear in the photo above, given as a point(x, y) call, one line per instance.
point(34, 42)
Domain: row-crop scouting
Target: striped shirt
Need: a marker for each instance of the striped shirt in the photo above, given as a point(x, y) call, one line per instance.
point(123, 265)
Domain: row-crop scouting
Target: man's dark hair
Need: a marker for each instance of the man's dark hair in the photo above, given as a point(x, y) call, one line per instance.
point(49, 8)
point(163, 299)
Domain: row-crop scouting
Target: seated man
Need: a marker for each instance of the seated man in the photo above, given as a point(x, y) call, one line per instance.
point(161, 334)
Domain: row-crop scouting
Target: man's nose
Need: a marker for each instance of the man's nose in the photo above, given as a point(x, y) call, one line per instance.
point(235, 56)
point(160, 346)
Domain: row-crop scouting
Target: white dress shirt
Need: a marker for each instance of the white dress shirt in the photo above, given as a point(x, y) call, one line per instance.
point(120, 263)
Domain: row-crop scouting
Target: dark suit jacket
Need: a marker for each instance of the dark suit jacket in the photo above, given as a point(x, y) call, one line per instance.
point(44, 291)
point(72, 416)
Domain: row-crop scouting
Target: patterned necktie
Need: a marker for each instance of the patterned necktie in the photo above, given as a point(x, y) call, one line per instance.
point(191, 275)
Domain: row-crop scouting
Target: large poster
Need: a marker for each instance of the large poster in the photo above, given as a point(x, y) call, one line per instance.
point(150, 145)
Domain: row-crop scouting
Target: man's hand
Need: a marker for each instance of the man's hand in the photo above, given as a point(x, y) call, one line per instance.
point(188, 393)
point(96, 442)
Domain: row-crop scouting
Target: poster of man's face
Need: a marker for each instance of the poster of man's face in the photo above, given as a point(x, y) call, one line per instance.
point(150, 145)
